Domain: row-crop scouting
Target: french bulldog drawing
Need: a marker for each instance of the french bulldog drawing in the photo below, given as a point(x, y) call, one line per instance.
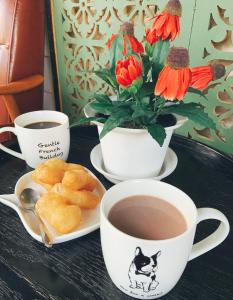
point(142, 271)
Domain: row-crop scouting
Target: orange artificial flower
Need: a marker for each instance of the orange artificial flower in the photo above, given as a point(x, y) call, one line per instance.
point(175, 77)
point(127, 71)
point(151, 38)
point(166, 24)
point(203, 75)
point(128, 36)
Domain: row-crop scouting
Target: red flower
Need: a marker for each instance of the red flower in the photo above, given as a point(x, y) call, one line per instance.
point(174, 79)
point(128, 37)
point(127, 71)
point(203, 75)
point(166, 24)
point(151, 38)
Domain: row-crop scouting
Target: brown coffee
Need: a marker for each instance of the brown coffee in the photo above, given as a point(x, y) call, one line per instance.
point(42, 125)
point(147, 217)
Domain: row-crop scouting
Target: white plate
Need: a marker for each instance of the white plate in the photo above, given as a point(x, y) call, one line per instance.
point(90, 218)
point(169, 165)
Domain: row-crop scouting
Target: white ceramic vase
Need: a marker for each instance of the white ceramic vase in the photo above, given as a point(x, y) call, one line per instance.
point(133, 153)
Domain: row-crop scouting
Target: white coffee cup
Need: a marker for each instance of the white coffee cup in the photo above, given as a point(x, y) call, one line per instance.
point(38, 145)
point(166, 259)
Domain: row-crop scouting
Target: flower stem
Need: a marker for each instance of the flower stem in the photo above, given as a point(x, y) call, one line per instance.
point(137, 99)
point(118, 93)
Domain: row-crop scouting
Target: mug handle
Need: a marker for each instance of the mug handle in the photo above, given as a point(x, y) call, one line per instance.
point(2, 147)
point(216, 238)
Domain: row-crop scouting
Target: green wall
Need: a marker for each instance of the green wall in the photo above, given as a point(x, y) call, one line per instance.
point(82, 28)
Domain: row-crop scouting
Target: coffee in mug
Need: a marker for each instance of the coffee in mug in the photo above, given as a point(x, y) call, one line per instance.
point(42, 125)
point(145, 258)
point(147, 217)
point(42, 135)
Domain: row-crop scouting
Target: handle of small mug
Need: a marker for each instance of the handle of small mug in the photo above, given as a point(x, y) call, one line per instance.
point(216, 238)
point(2, 147)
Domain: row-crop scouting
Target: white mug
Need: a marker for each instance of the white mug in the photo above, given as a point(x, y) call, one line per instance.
point(148, 269)
point(38, 145)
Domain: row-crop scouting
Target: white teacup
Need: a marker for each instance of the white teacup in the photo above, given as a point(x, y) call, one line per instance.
point(165, 260)
point(38, 145)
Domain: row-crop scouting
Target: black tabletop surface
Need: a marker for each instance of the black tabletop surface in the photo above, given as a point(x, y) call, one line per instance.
point(75, 269)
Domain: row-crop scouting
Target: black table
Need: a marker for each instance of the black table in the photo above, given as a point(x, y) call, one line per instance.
point(75, 270)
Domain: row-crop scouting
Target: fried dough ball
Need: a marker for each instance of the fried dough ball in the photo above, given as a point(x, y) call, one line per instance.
point(56, 164)
point(62, 165)
point(84, 199)
point(51, 200)
point(79, 179)
point(48, 174)
point(91, 185)
point(61, 215)
point(70, 167)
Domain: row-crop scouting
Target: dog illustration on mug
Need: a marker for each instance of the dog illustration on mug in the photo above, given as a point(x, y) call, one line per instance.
point(142, 271)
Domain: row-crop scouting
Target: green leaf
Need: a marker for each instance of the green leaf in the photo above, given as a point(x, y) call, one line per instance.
point(107, 76)
point(193, 111)
point(196, 91)
point(147, 89)
point(159, 102)
point(116, 51)
point(114, 121)
point(129, 49)
point(139, 111)
point(160, 53)
point(164, 48)
point(145, 100)
point(124, 95)
point(121, 104)
point(146, 66)
point(102, 107)
point(87, 120)
point(149, 49)
point(102, 98)
point(157, 132)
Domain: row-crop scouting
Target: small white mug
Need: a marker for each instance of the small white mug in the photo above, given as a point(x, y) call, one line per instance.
point(38, 145)
point(148, 269)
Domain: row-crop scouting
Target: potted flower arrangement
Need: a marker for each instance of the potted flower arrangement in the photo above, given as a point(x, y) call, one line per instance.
point(135, 126)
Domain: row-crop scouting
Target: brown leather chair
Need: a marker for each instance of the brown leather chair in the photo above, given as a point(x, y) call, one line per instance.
point(21, 58)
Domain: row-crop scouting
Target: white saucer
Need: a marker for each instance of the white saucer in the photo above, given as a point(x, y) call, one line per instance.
point(169, 165)
point(90, 218)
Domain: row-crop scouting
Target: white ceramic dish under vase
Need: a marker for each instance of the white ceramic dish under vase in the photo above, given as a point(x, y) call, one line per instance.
point(169, 165)
point(133, 153)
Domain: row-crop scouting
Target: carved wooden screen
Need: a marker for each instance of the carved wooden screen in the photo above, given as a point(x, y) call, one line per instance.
point(82, 27)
